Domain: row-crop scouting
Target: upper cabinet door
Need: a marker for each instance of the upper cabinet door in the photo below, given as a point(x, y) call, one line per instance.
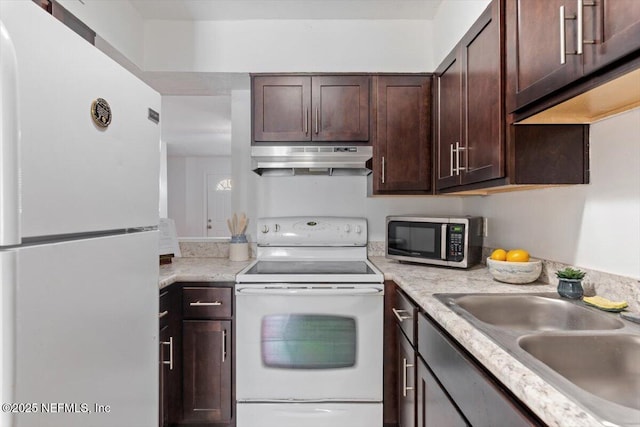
point(482, 157)
point(281, 108)
point(611, 30)
point(546, 47)
point(340, 108)
point(448, 122)
point(402, 142)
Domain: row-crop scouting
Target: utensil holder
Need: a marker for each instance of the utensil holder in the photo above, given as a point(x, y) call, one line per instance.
point(238, 248)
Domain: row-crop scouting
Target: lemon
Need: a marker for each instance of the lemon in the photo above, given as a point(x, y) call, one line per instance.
point(499, 255)
point(517, 255)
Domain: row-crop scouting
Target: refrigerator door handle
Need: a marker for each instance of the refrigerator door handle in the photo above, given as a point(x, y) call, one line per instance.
point(9, 143)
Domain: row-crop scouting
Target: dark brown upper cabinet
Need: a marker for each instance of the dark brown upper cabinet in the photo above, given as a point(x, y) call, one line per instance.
point(469, 100)
point(303, 108)
point(402, 134)
point(478, 148)
point(558, 42)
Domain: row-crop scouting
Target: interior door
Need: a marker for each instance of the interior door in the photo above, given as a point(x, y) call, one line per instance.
point(218, 204)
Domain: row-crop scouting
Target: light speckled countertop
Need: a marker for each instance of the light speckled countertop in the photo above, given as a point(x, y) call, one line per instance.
point(420, 283)
point(200, 270)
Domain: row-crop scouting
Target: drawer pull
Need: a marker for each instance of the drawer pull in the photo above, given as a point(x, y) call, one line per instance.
point(405, 367)
point(204, 304)
point(224, 345)
point(399, 316)
point(164, 313)
point(170, 361)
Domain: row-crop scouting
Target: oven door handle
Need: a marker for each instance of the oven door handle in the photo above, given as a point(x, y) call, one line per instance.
point(309, 291)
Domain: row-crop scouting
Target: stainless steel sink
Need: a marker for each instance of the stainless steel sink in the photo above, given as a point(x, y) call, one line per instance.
point(607, 366)
point(532, 312)
point(590, 355)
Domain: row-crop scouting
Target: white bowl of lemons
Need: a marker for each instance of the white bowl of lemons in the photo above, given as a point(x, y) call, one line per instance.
point(514, 266)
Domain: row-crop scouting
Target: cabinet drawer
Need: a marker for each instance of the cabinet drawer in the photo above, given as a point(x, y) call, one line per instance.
point(206, 303)
point(164, 309)
point(480, 398)
point(405, 315)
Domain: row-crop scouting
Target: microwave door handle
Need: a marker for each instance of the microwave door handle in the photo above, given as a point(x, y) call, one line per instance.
point(443, 242)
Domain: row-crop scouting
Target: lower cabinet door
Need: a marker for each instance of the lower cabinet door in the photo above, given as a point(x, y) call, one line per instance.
point(406, 382)
point(206, 365)
point(163, 378)
point(433, 405)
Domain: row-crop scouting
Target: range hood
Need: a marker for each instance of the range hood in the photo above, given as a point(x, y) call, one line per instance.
point(310, 160)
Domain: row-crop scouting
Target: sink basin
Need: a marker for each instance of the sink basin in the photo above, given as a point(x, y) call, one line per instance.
point(591, 356)
point(533, 313)
point(607, 366)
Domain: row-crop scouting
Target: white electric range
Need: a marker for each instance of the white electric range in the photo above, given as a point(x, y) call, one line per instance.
point(310, 327)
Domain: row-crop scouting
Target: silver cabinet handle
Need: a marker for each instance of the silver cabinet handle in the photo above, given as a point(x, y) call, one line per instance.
point(306, 121)
point(383, 169)
point(170, 361)
point(204, 304)
point(224, 345)
point(453, 172)
point(580, 22)
point(317, 120)
point(405, 368)
point(459, 149)
point(580, 36)
point(563, 54)
point(164, 313)
point(563, 35)
point(399, 316)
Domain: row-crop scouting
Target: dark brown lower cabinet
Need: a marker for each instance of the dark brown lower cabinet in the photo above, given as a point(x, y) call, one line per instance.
point(206, 379)
point(434, 408)
point(196, 355)
point(163, 375)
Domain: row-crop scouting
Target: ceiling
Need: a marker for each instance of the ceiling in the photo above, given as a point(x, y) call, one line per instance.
point(196, 107)
point(207, 10)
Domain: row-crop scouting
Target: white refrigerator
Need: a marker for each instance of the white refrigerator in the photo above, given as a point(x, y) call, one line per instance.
point(78, 231)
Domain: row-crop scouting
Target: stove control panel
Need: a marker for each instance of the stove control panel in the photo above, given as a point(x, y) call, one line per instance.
point(312, 231)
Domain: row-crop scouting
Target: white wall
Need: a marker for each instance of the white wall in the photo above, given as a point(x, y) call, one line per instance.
point(288, 45)
point(313, 195)
point(451, 22)
point(187, 191)
point(595, 226)
point(118, 22)
point(343, 196)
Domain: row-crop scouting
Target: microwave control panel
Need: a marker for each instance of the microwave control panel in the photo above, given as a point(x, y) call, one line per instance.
point(455, 240)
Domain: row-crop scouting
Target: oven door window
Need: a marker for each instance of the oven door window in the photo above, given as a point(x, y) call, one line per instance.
point(308, 341)
point(414, 239)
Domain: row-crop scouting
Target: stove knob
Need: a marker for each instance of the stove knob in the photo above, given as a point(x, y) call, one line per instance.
point(358, 229)
point(347, 228)
point(265, 229)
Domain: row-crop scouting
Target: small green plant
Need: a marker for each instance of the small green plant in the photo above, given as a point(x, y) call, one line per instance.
point(570, 273)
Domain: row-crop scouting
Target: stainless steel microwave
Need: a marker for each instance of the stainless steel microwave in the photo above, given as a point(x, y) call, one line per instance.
point(446, 241)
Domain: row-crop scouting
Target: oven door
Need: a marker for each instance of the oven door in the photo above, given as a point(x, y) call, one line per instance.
point(316, 343)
